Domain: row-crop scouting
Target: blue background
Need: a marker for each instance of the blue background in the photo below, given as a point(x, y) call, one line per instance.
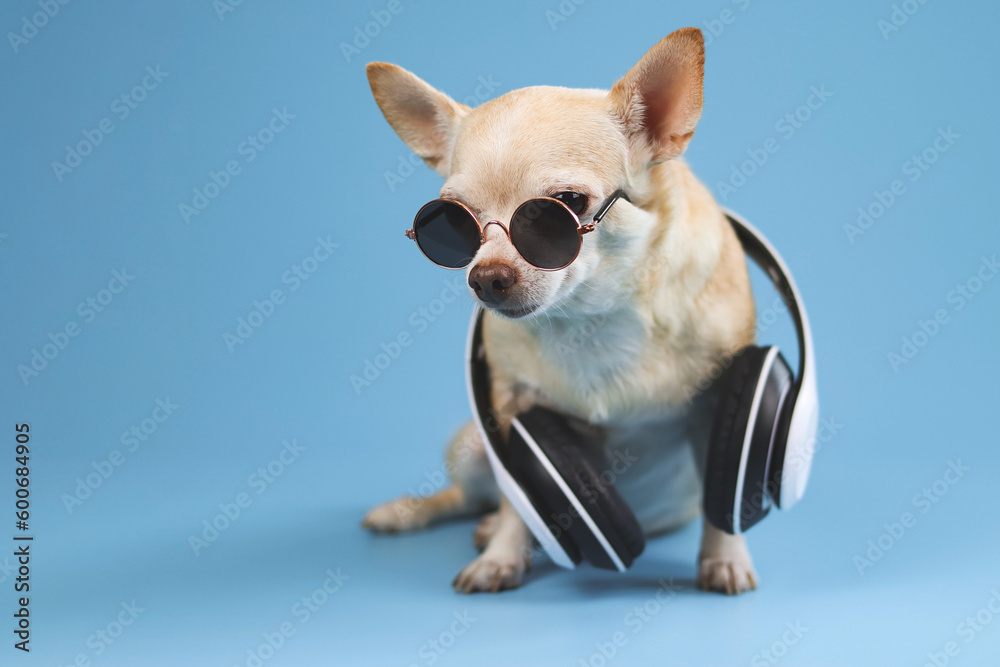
point(324, 176)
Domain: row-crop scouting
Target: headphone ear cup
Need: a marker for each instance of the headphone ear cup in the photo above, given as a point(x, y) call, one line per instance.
point(725, 445)
point(579, 466)
point(544, 494)
point(609, 511)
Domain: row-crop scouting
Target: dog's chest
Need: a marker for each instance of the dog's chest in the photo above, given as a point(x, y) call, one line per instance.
point(606, 368)
point(593, 352)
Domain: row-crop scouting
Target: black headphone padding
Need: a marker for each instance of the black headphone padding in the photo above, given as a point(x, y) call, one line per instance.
point(581, 466)
point(722, 469)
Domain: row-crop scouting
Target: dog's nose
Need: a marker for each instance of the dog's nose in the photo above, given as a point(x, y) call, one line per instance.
point(492, 282)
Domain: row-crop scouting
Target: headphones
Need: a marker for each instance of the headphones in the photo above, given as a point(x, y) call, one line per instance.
point(759, 453)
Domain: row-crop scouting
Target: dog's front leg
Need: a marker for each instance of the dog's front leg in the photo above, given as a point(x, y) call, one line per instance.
point(508, 552)
point(724, 562)
point(503, 562)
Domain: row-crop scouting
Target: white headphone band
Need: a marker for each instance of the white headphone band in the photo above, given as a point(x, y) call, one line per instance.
point(804, 420)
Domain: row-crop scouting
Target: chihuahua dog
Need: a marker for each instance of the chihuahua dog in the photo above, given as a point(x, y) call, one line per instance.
point(656, 301)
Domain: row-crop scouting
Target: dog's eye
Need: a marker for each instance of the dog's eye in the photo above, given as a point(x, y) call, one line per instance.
point(576, 202)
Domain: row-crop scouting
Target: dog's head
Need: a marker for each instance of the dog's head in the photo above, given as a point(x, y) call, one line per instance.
point(578, 146)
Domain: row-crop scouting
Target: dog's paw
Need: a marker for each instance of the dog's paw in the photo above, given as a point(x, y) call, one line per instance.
point(726, 573)
point(394, 516)
point(485, 530)
point(489, 574)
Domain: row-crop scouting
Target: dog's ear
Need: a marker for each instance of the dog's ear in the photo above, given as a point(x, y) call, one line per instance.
point(660, 98)
point(425, 119)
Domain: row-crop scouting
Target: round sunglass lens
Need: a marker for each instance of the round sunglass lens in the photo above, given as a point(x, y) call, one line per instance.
point(546, 233)
point(447, 234)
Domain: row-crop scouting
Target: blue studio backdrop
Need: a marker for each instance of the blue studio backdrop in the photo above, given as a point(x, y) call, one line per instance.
point(201, 242)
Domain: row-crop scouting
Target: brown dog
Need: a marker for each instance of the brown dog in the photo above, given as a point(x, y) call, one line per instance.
point(658, 297)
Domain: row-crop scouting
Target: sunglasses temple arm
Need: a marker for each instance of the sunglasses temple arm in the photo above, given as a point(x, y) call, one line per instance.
point(608, 204)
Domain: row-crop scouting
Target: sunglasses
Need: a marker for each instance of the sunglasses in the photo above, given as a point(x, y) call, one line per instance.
point(545, 231)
